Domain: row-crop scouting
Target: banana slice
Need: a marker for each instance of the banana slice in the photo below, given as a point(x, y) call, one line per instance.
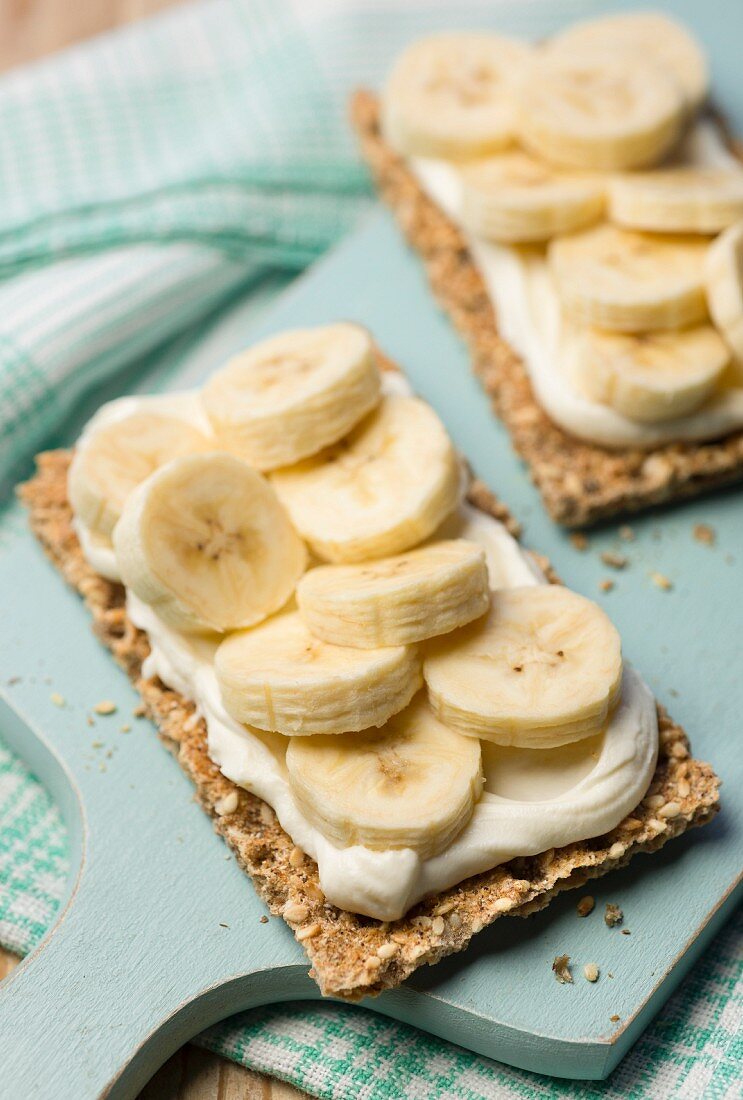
point(724, 275)
point(648, 34)
point(206, 543)
point(450, 95)
point(543, 668)
point(514, 198)
point(290, 396)
point(119, 455)
point(381, 490)
point(630, 282)
point(398, 600)
point(413, 784)
point(650, 376)
point(605, 110)
point(279, 677)
point(678, 200)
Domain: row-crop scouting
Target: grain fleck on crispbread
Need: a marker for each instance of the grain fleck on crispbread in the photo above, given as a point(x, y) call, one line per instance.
point(580, 483)
point(340, 944)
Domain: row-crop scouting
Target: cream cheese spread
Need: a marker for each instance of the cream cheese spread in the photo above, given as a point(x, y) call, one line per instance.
point(529, 319)
point(532, 801)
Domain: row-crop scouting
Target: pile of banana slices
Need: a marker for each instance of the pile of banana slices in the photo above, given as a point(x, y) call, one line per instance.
point(582, 148)
point(299, 528)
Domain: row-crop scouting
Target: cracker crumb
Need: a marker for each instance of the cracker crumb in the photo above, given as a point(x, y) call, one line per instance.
point(591, 972)
point(313, 891)
point(296, 912)
point(615, 1019)
point(307, 932)
point(125, 728)
point(140, 711)
point(585, 906)
point(266, 814)
point(562, 969)
point(106, 706)
point(223, 925)
point(263, 919)
point(296, 857)
point(613, 914)
point(606, 585)
point(578, 541)
point(227, 805)
point(626, 533)
point(613, 559)
point(705, 534)
point(626, 932)
point(660, 580)
point(96, 744)
point(57, 699)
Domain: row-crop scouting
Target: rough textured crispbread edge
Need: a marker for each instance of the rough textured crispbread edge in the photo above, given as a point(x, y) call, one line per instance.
point(580, 483)
point(342, 946)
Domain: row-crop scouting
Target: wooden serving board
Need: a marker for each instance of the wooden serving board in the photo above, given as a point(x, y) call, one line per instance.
point(160, 934)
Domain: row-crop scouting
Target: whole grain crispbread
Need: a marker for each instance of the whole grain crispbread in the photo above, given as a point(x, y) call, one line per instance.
point(354, 956)
point(580, 483)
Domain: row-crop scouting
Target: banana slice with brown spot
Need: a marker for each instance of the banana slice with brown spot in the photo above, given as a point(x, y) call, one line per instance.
point(543, 668)
point(205, 541)
point(413, 784)
point(280, 677)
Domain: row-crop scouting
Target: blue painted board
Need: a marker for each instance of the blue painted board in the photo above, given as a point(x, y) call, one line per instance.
point(140, 961)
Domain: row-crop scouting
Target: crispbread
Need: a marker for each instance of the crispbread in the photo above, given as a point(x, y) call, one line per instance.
point(580, 483)
point(344, 948)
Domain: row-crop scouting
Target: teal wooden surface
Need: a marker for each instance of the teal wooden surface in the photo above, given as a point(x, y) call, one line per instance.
point(140, 959)
point(161, 935)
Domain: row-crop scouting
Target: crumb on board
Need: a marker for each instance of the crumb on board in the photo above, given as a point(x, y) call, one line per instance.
point(578, 541)
point(140, 711)
point(606, 585)
point(562, 969)
point(585, 906)
point(613, 914)
point(615, 1018)
point(105, 706)
point(125, 728)
point(57, 699)
point(613, 559)
point(263, 919)
point(591, 972)
point(660, 580)
point(705, 534)
point(626, 932)
point(626, 533)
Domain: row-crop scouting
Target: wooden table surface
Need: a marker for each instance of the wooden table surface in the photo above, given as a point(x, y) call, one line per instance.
point(28, 30)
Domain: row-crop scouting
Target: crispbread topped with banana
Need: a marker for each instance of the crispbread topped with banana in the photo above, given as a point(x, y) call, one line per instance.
point(351, 640)
point(599, 210)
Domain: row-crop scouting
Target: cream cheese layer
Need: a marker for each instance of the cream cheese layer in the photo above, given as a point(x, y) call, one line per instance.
point(529, 319)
